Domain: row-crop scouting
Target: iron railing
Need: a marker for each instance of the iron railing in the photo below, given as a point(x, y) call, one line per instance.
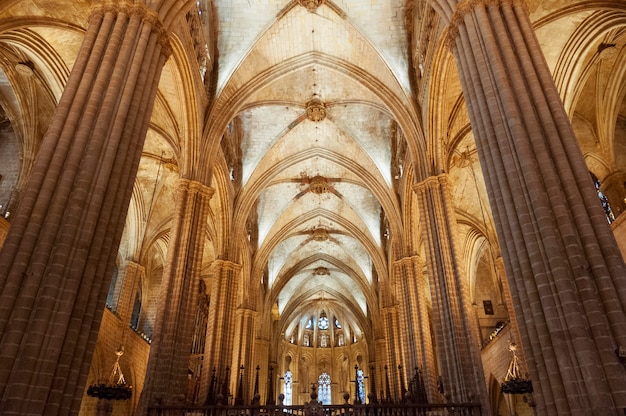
point(461, 409)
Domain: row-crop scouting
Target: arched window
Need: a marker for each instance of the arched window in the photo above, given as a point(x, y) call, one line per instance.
point(360, 385)
point(603, 199)
point(323, 383)
point(288, 388)
point(134, 318)
point(323, 322)
point(111, 302)
point(324, 341)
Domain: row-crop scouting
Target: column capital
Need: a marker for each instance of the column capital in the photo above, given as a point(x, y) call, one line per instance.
point(390, 309)
point(224, 265)
point(245, 311)
point(433, 182)
point(190, 185)
point(135, 10)
point(410, 261)
point(465, 7)
point(131, 264)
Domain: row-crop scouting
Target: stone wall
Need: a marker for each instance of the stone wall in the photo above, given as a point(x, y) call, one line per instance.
point(496, 357)
point(10, 164)
point(113, 334)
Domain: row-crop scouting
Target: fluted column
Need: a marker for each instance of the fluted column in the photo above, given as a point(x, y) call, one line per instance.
point(402, 272)
point(418, 349)
point(57, 261)
point(566, 274)
point(377, 360)
point(391, 324)
point(166, 376)
point(261, 352)
point(456, 340)
point(245, 334)
point(218, 352)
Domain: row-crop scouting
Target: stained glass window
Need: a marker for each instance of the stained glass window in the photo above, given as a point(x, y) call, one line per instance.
point(323, 323)
point(324, 388)
point(604, 200)
point(360, 385)
point(324, 341)
point(288, 388)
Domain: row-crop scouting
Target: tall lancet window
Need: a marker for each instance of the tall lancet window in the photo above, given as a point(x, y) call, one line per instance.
point(360, 378)
point(134, 317)
point(288, 389)
point(604, 200)
point(323, 388)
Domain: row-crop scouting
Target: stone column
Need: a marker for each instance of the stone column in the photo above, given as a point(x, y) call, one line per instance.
point(377, 359)
point(417, 336)
point(129, 279)
point(391, 324)
point(57, 260)
point(566, 274)
point(261, 358)
point(104, 408)
point(455, 338)
point(218, 352)
point(166, 376)
point(245, 335)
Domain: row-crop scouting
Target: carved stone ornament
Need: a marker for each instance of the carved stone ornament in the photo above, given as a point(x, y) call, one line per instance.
point(321, 271)
point(315, 110)
point(318, 185)
point(311, 5)
point(314, 408)
point(320, 234)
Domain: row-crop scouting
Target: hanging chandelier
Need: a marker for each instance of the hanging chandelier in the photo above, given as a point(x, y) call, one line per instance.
point(116, 388)
point(514, 383)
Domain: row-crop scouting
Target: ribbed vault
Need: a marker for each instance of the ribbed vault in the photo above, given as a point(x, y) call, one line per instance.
point(317, 107)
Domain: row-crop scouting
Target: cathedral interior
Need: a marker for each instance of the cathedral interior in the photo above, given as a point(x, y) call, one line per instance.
point(350, 195)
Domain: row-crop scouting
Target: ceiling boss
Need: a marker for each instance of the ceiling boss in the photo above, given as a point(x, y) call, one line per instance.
point(311, 5)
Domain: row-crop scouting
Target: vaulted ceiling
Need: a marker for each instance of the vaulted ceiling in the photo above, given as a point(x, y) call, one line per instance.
point(314, 90)
point(315, 119)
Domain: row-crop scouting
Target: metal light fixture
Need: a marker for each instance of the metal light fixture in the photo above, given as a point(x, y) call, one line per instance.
point(116, 388)
point(514, 383)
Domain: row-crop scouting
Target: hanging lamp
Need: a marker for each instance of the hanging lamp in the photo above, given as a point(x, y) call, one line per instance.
point(514, 383)
point(116, 388)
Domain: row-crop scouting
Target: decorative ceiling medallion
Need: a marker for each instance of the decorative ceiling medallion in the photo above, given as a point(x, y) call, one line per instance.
point(321, 271)
point(311, 5)
point(320, 234)
point(318, 185)
point(315, 110)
